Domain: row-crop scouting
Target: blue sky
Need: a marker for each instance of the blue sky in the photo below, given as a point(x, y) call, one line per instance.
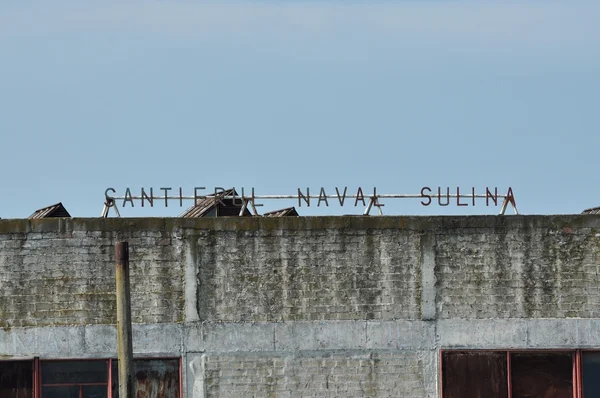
point(279, 95)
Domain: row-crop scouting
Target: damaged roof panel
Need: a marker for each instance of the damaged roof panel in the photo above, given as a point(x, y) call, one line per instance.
point(216, 205)
point(287, 212)
point(54, 211)
point(593, 210)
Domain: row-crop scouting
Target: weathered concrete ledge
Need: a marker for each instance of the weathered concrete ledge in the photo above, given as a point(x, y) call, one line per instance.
point(417, 223)
point(288, 337)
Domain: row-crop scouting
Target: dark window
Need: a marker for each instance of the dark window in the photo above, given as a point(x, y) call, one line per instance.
point(74, 379)
point(590, 364)
point(154, 378)
point(60, 392)
point(474, 375)
point(542, 375)
point(483, 374)
point(74, 372)
point(16, 379)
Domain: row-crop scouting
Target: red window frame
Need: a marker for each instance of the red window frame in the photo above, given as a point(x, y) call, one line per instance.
point(81, 385)
point(37, 376)
point(576, 366)
point(179, 359)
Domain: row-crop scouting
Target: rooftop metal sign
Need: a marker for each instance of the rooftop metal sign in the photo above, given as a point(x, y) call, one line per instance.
point(438, 196)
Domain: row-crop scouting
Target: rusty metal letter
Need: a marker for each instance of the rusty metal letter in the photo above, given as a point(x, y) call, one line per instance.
point(322, 196)
point(166, 196)
point(110, 201)
point(218, 190)
point(341, 198)
point(236, 197)
point(489, 195)
point(150, 198)
point(423, 195)
point(510, 197)
point(359, 196)
point(440, 196)
point(458, 198)
point(306, 198)
point(128, 198)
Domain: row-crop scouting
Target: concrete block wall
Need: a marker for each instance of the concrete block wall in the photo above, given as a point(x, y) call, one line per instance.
point(320, 306)
point(62, 272)
point(526, 269)
point(308, 274)
point(315, 374)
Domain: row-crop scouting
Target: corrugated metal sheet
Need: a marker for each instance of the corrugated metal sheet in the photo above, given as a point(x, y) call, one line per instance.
point(54, 211)
point(287, 212)
point(216, 206)
point(593, 210)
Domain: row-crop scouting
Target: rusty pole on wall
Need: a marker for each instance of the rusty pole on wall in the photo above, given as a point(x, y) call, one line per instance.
point(124, 342)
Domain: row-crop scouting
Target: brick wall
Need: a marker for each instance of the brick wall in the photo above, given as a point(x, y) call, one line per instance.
point(308, 274)
point(528, 268)
point(63, 273)
point(335, 306)
point(375, 374)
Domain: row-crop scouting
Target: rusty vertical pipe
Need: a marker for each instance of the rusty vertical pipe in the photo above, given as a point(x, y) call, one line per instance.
point(124, 342)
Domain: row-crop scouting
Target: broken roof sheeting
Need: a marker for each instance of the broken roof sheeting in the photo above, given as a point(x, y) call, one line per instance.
point(216, 205)
point(593, 210)
point(54, 211)
point(287, 212)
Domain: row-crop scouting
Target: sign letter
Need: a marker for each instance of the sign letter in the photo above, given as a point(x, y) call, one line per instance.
point(166, 196)
point(341, 198)
point(458, 198)
point(110, 201)
point(150, 198)
point(488, 196)
point(128, 198)
point(423, 195)
point(322, 196)
point(510, 197)
point(440, 196)
point(306, 198)
point(359, 196)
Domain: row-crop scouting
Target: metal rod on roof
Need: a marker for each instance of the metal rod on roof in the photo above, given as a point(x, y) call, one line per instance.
point(368, 209)
point(250, 201)
point(382, 196)
point(243, 208)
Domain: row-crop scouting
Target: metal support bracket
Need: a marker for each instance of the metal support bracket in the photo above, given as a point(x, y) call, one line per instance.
point(373, 201)
point(107, 206)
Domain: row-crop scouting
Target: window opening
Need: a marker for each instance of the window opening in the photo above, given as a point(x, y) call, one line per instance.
point(74, 379)
point(153, 378)
point(16, 379)
point(474, 374)
point(542, 375)
point(520, 374)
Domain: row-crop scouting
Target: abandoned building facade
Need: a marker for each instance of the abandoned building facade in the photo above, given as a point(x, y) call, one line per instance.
point(480, 306)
